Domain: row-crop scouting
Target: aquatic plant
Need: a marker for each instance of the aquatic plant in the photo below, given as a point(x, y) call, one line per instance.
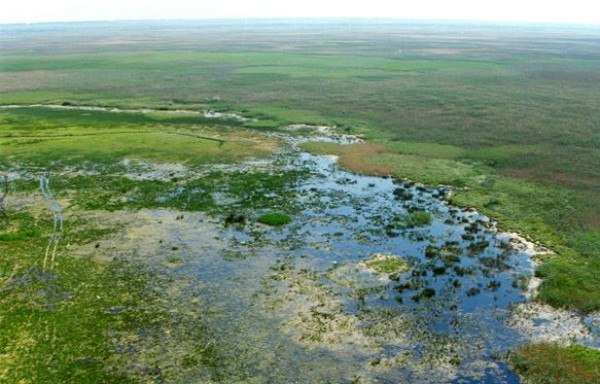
point(410, 220)
point(387, 263)
point(419, 218)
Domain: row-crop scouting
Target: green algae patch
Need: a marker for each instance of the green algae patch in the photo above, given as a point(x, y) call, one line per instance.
point(274, 219)
point(386, 263)
point(552, 363)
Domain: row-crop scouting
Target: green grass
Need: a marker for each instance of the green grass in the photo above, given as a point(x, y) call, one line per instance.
point(428, 150)
point(426, 170)
point(551, 363)
point(346, 68)
point(247, 62)
point(570, 281)
point(411, 220)
point(274, 219)
point(36, 118)
point(274, 116)
point(17, 236)
point(419, 219)
point(110, 148)
point(58, 138)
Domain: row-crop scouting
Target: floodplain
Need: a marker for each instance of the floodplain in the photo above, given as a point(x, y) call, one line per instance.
point(330, 202)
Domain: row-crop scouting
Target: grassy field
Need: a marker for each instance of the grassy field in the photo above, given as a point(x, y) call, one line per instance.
point(38, 137)
point(507, 115)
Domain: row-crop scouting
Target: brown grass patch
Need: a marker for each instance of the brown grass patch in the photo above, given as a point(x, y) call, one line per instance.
point(353, 158)
point(561, 179)
point(28, 80)
point(551, 363)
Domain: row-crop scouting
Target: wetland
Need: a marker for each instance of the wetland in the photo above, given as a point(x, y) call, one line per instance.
point(301, 269)
point(222, 239)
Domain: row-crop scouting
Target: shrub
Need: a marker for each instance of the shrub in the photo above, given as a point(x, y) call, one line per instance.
point(275, 219)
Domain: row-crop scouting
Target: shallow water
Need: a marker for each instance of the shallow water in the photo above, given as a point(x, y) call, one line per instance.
point(295, 303)
point(348, 213)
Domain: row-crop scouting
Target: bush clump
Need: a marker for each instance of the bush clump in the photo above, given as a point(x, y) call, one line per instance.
point(274, 219)
point(420, 219)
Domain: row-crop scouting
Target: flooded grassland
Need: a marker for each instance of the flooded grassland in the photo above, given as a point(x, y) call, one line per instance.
point(283, 268)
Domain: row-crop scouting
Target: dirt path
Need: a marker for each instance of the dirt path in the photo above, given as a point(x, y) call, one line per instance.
point(58, 222)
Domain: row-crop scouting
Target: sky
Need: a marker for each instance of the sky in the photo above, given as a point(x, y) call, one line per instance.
point(545, 11)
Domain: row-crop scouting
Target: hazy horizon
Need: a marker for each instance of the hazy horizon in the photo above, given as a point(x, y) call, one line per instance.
point(576, 12)
point(316, 21)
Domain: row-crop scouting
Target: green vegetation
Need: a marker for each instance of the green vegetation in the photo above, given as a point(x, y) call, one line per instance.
point(190, 194)
point(69, 323)
point(551, 363)
point(18, 236)
point(570, 281)
point(386, 263)
point(418, 219)
point(41, 340)
point(173, 259)
point(58, 138)
point(274, 219)
point(512, 124)
point(410, 220)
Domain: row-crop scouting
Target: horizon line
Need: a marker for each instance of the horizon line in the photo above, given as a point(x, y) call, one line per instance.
point(315, 18)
